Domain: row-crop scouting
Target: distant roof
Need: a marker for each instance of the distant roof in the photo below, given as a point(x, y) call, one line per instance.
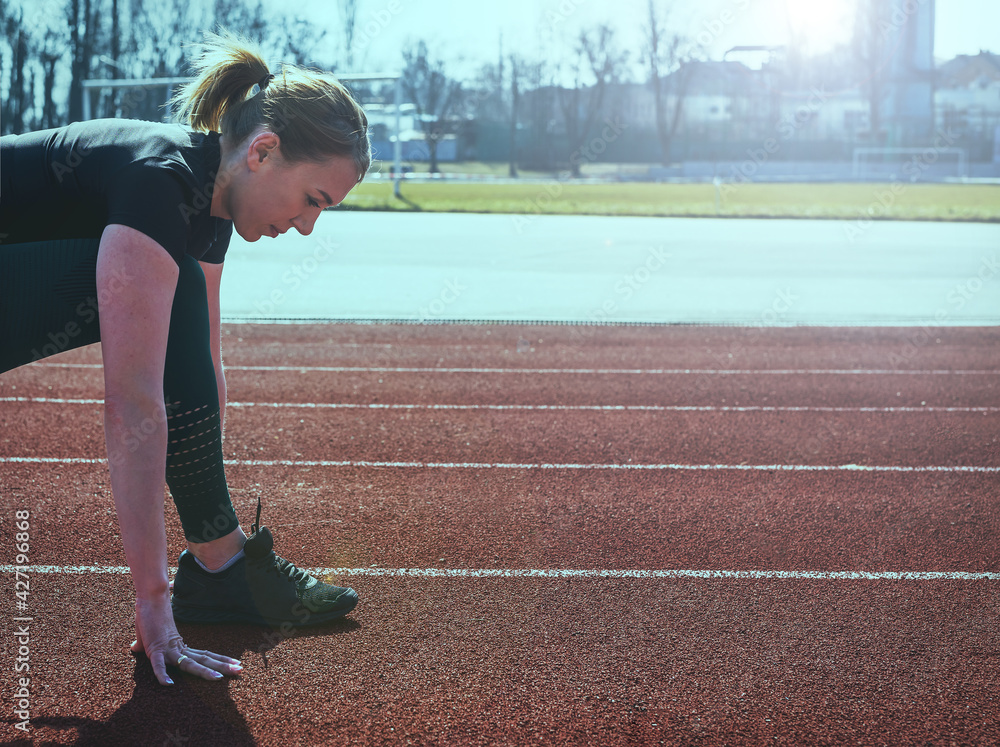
point(967, 69)
point(715, 77)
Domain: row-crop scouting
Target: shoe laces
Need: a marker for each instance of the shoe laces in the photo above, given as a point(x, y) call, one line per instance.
point(296, 574)
point(278, 563)
point(255, 527)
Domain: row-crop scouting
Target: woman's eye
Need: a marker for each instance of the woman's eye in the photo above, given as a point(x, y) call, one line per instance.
point(313, 203)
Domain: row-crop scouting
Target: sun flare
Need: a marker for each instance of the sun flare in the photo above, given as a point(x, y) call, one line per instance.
point(817, 23)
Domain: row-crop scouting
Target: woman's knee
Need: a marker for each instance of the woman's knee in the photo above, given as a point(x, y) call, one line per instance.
point(190, 280)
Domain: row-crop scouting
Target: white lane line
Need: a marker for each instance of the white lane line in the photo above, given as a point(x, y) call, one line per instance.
point(571, 573)
point(53, 400)
point(534, 408)
point(506, 465)
point(610, 408)
point(632, 371)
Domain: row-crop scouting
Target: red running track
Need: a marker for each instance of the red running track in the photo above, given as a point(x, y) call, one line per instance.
point(380, 448)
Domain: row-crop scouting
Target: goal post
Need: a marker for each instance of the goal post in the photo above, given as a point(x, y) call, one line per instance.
point(391, 114)
point(158, 92)
point(907, 163)
point(137, 91)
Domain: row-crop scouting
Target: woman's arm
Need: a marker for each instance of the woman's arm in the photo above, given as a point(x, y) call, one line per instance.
point(213, 281)
point(136, 279)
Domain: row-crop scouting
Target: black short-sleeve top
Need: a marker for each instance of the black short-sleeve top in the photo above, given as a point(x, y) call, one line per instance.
point(73, 181)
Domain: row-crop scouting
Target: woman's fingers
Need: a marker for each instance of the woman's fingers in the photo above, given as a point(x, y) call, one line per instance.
point(207, 665)
point(211, 655)
point(193, 666)
point(217, 661)
point(160, 669)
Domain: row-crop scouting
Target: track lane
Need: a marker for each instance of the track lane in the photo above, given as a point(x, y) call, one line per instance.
point(530, 389)
point(631, 347)
point(584, 437)
point(426, 518)
point(610, 389)
point(451, 661)
point(589, 347)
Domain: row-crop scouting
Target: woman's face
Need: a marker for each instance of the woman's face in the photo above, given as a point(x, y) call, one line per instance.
point(269, 196)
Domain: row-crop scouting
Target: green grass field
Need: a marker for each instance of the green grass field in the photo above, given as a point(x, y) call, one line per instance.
point(954, 202)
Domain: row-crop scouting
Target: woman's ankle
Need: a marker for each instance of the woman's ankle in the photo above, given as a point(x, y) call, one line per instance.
point(215, 554)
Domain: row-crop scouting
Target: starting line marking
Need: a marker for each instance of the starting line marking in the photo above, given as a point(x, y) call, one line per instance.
point(572, 573)
point(630, 371)
point(534, 408)
point(505, 465)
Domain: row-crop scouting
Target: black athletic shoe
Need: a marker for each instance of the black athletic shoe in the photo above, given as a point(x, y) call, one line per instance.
point(261, 588)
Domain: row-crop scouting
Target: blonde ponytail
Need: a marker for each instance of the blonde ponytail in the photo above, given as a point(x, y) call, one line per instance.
point(227, 69)
point(234, 93)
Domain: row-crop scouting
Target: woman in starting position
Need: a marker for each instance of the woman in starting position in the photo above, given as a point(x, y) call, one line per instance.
point(116, 230)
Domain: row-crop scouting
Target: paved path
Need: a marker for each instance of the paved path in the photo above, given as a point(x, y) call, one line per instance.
point(568, 268)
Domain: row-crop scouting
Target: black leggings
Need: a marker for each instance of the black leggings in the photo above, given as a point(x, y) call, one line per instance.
point(48, 304)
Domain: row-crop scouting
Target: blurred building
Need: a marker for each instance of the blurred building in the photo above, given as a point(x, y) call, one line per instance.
point(967, 102)
point(382, 123)
point(818, 112)
point(908, 32)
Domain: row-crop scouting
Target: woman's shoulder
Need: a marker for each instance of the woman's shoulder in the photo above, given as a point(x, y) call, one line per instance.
point(154, 147)
point(113, 131)
point(112, 144)
point(139, 139)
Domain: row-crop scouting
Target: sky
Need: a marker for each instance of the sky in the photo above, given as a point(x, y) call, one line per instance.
point(469, 31)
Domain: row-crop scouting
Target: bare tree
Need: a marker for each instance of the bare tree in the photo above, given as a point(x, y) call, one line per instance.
point(116, 51)
point(6, 52)
point(668, 56)
point(599, 59)
point(304, 42)
point(82, 23)
point(434, 95)
point(51, 53)
point(16, 101)
point(515, 100)
point(349, 18)
point(132, 39)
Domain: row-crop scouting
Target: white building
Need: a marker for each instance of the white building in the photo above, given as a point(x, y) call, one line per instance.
point(967, 97)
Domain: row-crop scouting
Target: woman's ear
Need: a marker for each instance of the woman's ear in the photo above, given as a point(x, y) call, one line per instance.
point(263, 146)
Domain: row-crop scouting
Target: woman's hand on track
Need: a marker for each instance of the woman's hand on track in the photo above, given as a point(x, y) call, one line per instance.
point(157, 636)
